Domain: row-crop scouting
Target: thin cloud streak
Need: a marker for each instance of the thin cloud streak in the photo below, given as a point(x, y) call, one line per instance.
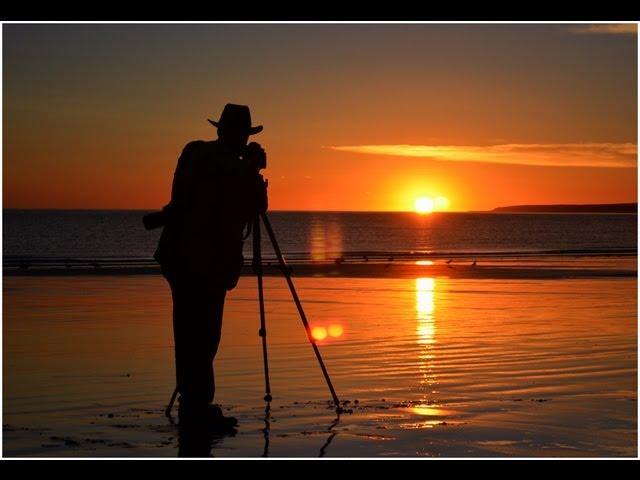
point(599, 155)
point(606, 29)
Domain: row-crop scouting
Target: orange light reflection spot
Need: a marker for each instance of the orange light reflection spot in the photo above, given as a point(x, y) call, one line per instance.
point(319, 333)
point(336, 330)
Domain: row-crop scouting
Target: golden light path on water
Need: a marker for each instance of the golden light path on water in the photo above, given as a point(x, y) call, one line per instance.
point(425, 288)
point(426, 338)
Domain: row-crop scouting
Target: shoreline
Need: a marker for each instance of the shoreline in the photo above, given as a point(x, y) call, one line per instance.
point(364, 270)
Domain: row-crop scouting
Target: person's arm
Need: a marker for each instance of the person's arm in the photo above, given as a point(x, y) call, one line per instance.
point(171, 210)
point(175, 208)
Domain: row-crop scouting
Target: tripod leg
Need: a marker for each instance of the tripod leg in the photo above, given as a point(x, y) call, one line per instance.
point(303, 317)
point(167, 412)
point(257, 267)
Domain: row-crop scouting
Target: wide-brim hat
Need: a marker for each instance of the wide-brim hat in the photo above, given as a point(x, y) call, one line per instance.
point(236, 118)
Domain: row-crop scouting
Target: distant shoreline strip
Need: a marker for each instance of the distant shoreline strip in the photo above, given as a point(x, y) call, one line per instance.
point(504, 267)
point(370, 271)
point(25, 262)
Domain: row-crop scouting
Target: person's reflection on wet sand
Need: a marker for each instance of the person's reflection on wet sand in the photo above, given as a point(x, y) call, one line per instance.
point(198, 442)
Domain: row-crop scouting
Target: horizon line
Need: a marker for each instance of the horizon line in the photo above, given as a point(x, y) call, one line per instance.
point(492, 210)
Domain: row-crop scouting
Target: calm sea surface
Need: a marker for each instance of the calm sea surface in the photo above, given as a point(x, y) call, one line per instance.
point(120, 234)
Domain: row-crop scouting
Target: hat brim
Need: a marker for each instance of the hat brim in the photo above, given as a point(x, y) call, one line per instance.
point(252, 130)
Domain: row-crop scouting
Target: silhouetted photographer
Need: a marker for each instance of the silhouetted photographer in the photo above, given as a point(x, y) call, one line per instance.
point(217, 191)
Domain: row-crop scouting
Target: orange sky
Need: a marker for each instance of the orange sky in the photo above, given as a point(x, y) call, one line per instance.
point(357, 117)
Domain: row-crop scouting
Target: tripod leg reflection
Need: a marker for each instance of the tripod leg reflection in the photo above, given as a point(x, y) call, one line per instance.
point(323, 449)
point(267, 429)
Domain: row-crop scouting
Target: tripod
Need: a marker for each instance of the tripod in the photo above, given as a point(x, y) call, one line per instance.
point(257, 268)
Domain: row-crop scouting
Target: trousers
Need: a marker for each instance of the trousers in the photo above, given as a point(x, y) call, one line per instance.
point(198, 306)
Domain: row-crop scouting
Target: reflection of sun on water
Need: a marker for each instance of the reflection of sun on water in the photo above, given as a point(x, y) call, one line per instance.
point(430, 411)
point(326, 238)
point(424, 262)
point(424, 307)
point(425, 334)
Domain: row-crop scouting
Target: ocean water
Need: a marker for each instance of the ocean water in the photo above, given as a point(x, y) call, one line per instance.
point(324, 235)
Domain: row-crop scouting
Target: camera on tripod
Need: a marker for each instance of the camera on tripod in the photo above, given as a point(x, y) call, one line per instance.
point(255, 157)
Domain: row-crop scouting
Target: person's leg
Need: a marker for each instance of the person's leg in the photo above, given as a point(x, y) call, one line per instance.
point(187, 335)
point(213, 328)
point(198, 310)
point(215, 309)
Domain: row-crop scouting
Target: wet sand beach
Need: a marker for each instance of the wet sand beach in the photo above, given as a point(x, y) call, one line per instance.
point(430, 364)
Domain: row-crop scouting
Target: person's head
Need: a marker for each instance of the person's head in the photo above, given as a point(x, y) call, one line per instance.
point(234, 126)
point(232, 137)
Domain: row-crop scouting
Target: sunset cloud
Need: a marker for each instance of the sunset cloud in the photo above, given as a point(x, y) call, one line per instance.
point(606, 29)
point(603, 155)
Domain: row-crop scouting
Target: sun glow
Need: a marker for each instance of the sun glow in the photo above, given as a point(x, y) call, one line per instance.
point(442, 203)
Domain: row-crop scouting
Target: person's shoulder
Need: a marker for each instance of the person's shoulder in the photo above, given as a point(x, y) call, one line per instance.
point(197, 146)
point(194, 151)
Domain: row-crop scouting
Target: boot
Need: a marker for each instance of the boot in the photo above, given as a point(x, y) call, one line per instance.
point(208, 417)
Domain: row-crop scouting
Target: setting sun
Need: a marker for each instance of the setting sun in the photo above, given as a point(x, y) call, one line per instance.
point(424, 205)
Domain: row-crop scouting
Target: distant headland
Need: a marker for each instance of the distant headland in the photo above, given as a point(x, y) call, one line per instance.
point(594, 208)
